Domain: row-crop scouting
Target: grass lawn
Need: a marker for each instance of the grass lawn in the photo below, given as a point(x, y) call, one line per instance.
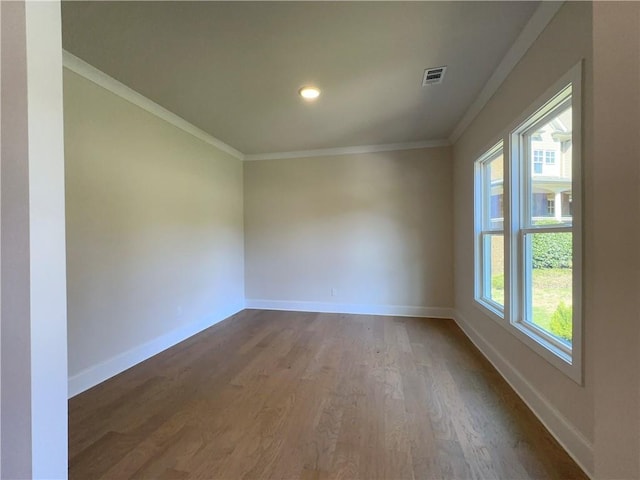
point(550, 287)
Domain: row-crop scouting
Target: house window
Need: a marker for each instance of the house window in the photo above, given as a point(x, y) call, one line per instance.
point(490, 230)
point(538, 156)
point(551, 207)
point(549, 157)
point(528, 253)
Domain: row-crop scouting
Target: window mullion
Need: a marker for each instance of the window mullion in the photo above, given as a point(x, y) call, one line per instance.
point(547, 229)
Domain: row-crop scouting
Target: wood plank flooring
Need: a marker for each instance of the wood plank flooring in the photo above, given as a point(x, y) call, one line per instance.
point(289, 395)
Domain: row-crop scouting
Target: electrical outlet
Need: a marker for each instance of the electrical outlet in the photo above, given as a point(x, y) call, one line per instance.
point(334, 292)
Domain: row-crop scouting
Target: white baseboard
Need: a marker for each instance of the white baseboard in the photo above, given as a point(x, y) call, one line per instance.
point(395, 310)
point(96, 374)
point(576, 444)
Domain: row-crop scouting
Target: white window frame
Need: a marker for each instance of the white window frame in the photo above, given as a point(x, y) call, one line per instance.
point(547, 157)
point(484, 229)
point(516, 166)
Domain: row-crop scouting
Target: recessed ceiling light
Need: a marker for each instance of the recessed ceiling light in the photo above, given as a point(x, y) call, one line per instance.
point(309, 93)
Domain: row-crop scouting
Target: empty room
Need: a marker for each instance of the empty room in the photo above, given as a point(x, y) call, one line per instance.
point(318, 240)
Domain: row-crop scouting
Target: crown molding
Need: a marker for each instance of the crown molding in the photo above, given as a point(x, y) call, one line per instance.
point(109, 83)
point(100, 78)
point(331, 152)
point(532, 30)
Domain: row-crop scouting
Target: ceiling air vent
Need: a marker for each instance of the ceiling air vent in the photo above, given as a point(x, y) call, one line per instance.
point(433, 75)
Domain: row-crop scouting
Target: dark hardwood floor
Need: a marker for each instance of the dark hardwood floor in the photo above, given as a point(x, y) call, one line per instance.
point(303, 395)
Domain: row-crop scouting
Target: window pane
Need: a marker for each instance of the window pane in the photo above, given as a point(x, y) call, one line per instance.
point(537, 168)
point(494, 171)
point(550, 198)
point(550, 157)
point(549, 281)
point(537, 154)
point(493, 263)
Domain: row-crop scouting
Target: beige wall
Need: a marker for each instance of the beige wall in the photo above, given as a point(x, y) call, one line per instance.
point(154, 227)
point(376, 227)
point(615, 234)
point(567, 406)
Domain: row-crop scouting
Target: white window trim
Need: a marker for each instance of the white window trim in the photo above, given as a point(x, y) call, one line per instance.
point(491, 307)
point(568, 362)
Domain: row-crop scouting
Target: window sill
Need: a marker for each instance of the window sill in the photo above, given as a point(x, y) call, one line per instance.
point(490, 310)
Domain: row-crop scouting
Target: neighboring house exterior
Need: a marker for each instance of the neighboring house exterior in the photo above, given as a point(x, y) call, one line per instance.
point(550, 154)
point(551, 150)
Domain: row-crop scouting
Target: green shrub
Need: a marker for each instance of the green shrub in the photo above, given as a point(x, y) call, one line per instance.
point(561, 322)
point(552, 250)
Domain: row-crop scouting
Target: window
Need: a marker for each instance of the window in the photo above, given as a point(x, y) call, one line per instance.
point(490, 231)
point(545, 249)
point(537, 161)
point(528, 243)
point(550, 157)
point(542, 158)
point(551, 207)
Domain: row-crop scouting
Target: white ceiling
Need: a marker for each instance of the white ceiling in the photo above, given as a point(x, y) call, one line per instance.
point(233, 69)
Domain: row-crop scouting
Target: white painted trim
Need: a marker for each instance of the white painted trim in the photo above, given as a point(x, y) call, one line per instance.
point(532, 30)
point(394, 310)
point(100, 78)
point(331, 152)
point(570, 363)
point(96, 374)
point(43, 183)
point(574, 442)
